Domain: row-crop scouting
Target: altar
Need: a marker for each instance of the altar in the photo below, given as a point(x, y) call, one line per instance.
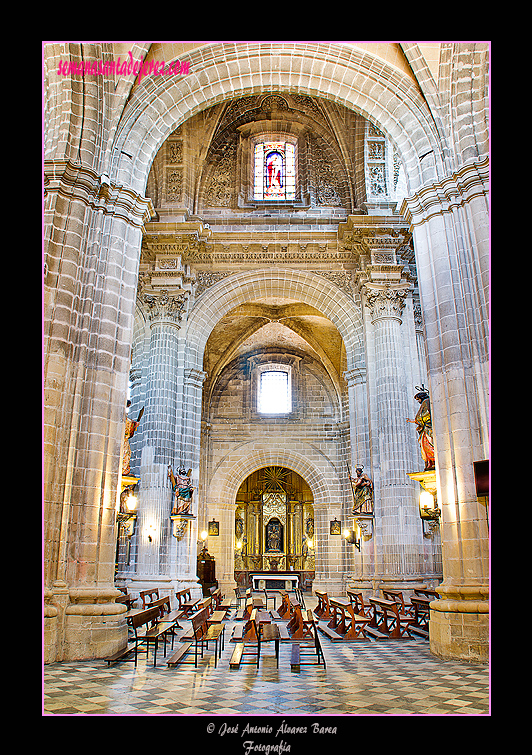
point(274, 581)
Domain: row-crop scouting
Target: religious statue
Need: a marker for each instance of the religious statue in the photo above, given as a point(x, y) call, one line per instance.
point(362, 492)
point(129, 430)
point(182, 490)
point(273, 535)
point(423, 422)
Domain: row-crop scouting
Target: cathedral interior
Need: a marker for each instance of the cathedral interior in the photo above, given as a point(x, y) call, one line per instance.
point(266, 361)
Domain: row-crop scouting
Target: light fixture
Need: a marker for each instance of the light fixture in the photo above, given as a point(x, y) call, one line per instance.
point(350, 537)
point(203, 535)
point(429, 512)
point(127, 515)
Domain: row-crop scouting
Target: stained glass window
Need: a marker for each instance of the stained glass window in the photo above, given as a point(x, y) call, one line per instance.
point(275, 171)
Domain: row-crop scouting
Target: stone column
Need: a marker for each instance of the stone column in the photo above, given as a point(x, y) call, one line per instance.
point(450, 222)
point(361, 565)
point(93, 234)
point(397, 530)
point(161, 556)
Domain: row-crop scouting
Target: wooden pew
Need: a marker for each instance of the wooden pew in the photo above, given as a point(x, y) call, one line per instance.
point(219, 603)
point(397, 595)
point(361, 608)
point(345, 623)
point(251, 603)
point(167, 617)
point(387, 619)
point(148, 596)
point(147, 620)
point(420, 625)
point(322, 610)
point(359, 605)
point(286, 608)
point(432, 594)
point(186, 603)
point(302, 633)
point(249, 637)
point(202, 632)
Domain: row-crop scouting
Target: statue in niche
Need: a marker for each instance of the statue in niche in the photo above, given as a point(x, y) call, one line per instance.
point(423, 422)
point(182, 490)
point(129, 430)
point(362, 492)
point(274, 535)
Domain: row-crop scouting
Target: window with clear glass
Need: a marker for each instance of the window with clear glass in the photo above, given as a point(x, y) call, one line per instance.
point(275, 171)
point(274, 392)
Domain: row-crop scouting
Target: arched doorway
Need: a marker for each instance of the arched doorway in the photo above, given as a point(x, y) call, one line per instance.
point(274, 529)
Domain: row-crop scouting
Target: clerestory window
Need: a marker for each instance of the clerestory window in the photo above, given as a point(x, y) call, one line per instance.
point(274, 171)
point(274, 394)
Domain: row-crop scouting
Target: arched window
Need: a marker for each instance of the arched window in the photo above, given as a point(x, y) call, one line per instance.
point(274, 395)
point(275, 171)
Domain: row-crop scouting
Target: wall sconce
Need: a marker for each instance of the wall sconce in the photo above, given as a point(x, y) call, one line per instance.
point(127, 516)
point(335, 527)
point(350, 537)
point(429, 512)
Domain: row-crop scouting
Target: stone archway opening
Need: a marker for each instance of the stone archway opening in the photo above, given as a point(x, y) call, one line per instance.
point(274, 530)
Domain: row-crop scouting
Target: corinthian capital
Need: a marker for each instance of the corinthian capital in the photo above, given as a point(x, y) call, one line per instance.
point(162, 306)
point(385, 303)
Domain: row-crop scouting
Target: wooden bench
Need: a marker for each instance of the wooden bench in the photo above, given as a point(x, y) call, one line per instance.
point(397, 595)
point(153, 632)
point(432, 594)
point(387, 619)
point(167, 615)
point(361, 608)
point(186, 602)
point(219, 603)
point(286, 608)
point(204, 632)
point(345, 624)
point(257, 630)
point(244, 614)
point(420, 625)
point(322, 610)
point(148, 596)
point(302, 633)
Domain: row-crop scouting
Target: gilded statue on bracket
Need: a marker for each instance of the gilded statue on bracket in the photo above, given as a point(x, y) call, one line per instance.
point(130, 427)
point(362, 492)
point(423, 422)
point(182, 488)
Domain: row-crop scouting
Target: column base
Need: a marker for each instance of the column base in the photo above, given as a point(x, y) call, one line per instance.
point(459, 623)
point(461, 633)
point(82, 624)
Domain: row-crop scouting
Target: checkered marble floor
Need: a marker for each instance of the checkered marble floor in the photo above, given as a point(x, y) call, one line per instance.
point(360, 678)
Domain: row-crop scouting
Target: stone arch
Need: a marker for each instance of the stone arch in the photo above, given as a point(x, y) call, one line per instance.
point(350, 76)
point(240, 288)
point(324, 483)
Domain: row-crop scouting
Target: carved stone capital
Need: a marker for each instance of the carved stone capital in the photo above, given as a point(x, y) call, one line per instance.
point(385, 303)
point(163, 307)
